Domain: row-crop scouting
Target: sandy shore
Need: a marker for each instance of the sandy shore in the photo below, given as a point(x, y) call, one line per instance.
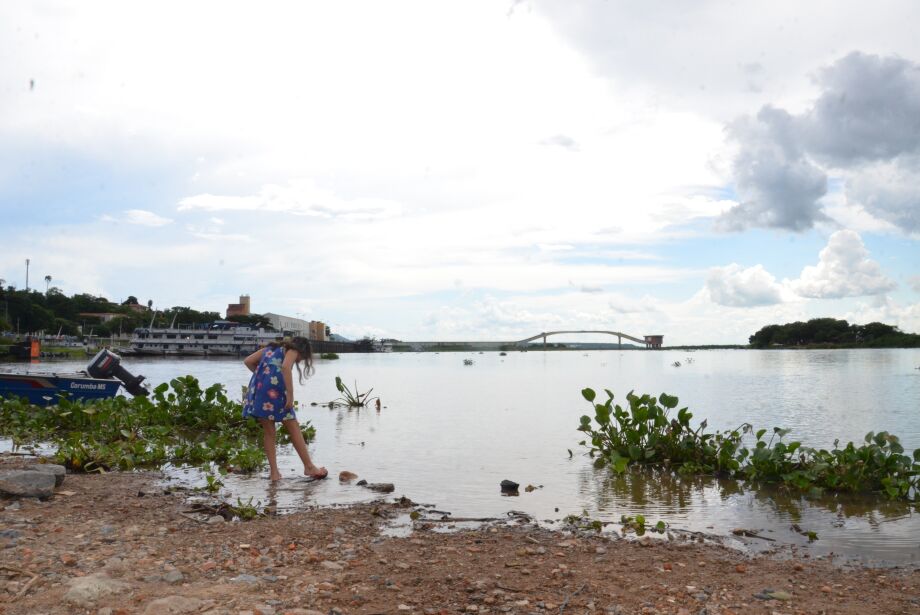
point(118, 544)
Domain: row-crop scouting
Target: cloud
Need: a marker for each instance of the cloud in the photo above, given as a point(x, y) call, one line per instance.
point(299, 197)
point(844, 269)
point(914, 282)
point(139, 217)
point(735, 286)
point(864, 126)
point(777, 185)
point(563, 141)
point(869, 109)
point(890, 190)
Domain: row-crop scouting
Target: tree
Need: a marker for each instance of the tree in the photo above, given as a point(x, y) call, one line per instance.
point(131, 300)
point(47, 283)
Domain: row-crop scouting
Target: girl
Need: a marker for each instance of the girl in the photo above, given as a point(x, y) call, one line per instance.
point(270, 397)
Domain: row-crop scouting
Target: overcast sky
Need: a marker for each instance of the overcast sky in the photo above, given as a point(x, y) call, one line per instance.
point(470, 170)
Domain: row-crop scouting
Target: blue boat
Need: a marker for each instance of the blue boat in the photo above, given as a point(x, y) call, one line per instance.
point(102, 378)
point(45, 389)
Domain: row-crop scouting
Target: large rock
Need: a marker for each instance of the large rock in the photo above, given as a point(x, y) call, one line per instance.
point(27, 484)
point(176, 604)
point(58, 471)
point(381, 487)
point(85, 591)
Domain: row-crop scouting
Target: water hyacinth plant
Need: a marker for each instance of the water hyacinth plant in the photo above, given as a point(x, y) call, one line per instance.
point(352, 399)
point(180, 423)
point(645, 433)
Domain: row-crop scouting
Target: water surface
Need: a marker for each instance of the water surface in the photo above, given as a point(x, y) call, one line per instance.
point(449, 433)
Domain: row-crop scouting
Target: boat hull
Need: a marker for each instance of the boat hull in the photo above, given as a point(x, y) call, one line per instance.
point(47, 389)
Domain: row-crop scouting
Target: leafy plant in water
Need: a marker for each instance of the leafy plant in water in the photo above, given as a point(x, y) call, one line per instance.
point(180, 423)
point(351, 399)
point(328, 355)
point(645, 433)
point(637, 524)
point(246, 511)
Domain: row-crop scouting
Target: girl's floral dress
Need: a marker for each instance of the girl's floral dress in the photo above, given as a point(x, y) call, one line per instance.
point(266, 394)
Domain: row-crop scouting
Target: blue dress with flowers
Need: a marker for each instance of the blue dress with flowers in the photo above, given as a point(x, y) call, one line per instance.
point(266, 393)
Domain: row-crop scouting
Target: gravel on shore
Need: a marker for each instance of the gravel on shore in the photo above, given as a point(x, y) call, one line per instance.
point(117, 543)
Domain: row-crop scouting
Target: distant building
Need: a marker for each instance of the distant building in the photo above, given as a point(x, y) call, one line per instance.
point(288, 324)
point(239, 309)
point(101, 316)
point(317, 331)
point(654, 341)
point(313, 330)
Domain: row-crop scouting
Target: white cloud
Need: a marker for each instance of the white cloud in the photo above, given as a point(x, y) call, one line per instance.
point(736, 286)
point(884, 309)
point(864, 126)
point(844, 269)
point(299, 197)
point(139, 217)
point(914, 282)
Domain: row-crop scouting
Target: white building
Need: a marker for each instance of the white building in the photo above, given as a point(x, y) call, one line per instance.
point(296, 326)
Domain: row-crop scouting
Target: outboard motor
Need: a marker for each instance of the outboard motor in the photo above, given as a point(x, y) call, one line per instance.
point(107, 364)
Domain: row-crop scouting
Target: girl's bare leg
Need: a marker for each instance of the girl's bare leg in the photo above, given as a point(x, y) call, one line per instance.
point(309, 468)
point(268, 443)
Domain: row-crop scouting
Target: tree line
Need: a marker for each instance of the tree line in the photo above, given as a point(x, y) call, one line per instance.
point(833, 332)
point(31, 311)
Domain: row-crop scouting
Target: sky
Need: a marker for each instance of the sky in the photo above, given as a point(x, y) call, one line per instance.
point(475, 170)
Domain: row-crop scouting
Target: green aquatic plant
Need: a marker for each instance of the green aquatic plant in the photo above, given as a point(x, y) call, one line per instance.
point(644, 433)
point(352, 399)
point(179, 423)
point(328, 355)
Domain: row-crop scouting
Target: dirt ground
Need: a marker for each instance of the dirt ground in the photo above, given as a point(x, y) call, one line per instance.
point(118, 543)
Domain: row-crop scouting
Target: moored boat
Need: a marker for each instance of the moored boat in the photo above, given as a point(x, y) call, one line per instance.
point(101, 380)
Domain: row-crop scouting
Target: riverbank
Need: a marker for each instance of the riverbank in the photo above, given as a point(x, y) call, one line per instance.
point(123, 543)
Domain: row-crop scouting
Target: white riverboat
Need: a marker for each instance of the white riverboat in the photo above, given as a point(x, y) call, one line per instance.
point(220, 338)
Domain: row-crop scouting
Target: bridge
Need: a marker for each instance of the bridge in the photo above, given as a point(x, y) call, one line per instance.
point(650, 341)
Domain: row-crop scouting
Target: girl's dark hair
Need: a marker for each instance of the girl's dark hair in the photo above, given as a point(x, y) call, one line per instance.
point(304, 355)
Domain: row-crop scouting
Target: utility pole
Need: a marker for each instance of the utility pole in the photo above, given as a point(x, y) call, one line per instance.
point(27, 275)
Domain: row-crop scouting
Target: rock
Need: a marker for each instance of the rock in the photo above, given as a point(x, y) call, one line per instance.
point(215, 519)
point(245, 578)
point(59, 472)
point(509, 486)
point(176, 604)
point(334, 566)
point(381, 487)
point(740, 568)
point(27, 484)
point(173, 577)
point(303, 612)
point(346, 476)
point(84, 591)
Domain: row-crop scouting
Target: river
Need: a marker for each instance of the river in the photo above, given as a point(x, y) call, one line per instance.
point(448, 433)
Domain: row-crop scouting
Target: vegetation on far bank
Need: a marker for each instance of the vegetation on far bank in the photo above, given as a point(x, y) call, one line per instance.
point(179, 424)
point(830, 332)
point(53, 311)
point(645, 433)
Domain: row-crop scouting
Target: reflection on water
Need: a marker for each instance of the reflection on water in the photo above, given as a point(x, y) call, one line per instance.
point(449, 434)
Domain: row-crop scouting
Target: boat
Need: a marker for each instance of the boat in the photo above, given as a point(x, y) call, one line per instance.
point(216, 339)
point(101, 380)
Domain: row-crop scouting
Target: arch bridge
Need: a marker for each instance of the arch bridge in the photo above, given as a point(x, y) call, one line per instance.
point(650, 341)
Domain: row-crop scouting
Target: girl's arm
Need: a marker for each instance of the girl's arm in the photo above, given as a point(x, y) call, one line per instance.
point(286, 370)
point(252, 361)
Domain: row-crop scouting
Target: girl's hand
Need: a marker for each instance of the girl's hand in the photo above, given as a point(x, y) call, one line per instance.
point(289, 404)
